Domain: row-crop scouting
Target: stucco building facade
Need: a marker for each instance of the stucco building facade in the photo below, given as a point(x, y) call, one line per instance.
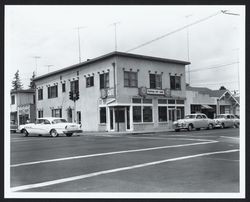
point(117, 92)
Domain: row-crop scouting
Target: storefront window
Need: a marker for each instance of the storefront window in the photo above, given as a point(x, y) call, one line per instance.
point(162, 101)
point(180, 112)
point(147, 114)
point(162, 112)
point(136, 113)
point(13, 99)
point(103, 115)
point(179, 101)
point(136, 100)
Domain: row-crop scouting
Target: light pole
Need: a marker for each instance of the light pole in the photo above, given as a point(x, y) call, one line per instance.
point(115, 24)
point(36, 57)
point(79, 41)
point(188, 48)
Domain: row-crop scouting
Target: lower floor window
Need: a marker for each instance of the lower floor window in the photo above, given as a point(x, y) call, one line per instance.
point(40, 114)
point(136, 113)
point(147, 114)
point(103, 115)
point(56, 112)
point(162, 112)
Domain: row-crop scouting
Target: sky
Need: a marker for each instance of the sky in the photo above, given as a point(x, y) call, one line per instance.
point(214, 46)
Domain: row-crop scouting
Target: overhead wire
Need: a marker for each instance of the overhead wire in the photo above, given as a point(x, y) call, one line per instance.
point(172, 32)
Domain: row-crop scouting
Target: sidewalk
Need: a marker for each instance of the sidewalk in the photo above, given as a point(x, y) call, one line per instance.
point(124, 132)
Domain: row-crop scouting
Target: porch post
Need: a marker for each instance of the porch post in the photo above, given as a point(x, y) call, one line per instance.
point(108, 119)
point(131, 117)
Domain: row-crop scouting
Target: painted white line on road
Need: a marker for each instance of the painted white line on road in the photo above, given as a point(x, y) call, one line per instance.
point(237, 138)
point(80, 177)
point(110, 153)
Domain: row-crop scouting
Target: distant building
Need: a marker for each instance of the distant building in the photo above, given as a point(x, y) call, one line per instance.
point(211, 102)
point(22, 106)
point(117, 92)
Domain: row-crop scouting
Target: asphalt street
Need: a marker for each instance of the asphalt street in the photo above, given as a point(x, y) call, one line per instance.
point(197, 161)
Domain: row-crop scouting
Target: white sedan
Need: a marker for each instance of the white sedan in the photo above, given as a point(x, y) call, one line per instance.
point(226, 120)
point(194, 121)
point(51, 126)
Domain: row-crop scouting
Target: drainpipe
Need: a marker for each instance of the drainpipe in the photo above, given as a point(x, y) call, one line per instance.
point(114, 72)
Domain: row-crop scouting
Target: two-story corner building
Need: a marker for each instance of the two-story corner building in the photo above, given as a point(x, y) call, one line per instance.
point(22, 106)
point(211, 102)
point(117, 92)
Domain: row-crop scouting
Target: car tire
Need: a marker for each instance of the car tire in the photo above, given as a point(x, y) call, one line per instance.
point(210, 126)
point(177, 130)
point(53, 133)
point(25, 132)
point(190, 127)
point(69, 134)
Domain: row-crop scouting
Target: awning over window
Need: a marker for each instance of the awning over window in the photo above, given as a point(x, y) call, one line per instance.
point(206, 107)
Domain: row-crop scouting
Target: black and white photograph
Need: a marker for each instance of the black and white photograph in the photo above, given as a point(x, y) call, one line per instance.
point(124, 101)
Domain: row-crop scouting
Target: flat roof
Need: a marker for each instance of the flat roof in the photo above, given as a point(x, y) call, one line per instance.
point(115, 53)
point(23, 91)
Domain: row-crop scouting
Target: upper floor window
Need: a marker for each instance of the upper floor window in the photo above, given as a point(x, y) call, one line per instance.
point(40, 114)
point(63, 87)
point(175, 82)
point(130, 79)
point(13, 99)
point(40, 94)
point(104, 80)
point(155, 81)
point(74, 86)
point(90, 81)
point(52, 92)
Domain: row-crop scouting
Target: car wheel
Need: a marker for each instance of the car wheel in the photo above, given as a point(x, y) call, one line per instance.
point(53, 133)
point(210, 126)
point(190, 127)
point(69, 134)
point(25, 132)
point(222, 125)
point(177, 130)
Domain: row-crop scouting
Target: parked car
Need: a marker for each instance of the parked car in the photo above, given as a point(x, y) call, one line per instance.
point(194, 121)
point(226, 120)
point(52, 126)
point(13, 127)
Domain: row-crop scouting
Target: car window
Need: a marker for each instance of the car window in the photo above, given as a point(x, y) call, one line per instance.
point(228, 117)
point(46, 121)
point(198, 117)
point(204, 117)
point(190, 116)
point(59, 121)
point(39, 121)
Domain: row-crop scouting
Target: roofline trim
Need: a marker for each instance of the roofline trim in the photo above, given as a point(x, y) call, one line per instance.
point(115, 53)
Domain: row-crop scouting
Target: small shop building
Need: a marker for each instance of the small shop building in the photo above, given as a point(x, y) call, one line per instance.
point(115, 92)
point(211, 102)
point(22, 106)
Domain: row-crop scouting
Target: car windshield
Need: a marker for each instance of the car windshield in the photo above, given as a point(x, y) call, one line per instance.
point(190, 116)
point(59, 121)
point(220, 116)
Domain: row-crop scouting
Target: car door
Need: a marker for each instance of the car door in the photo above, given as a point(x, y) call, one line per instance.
point(228, 121)
point(198, 121)
point(204, 121)
point(44, 127)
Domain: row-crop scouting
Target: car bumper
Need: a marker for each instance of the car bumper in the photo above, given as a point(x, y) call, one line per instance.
point(180, 126)
point(72, 131)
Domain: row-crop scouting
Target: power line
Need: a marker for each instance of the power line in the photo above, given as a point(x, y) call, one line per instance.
point(213, 67)
point(214, 83)
point(177, 30)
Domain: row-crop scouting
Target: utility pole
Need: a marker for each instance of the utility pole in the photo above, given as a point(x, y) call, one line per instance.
point(115, 24)
point(188, 48)
point(49, 67)
point(79, 41)
point(36, 57)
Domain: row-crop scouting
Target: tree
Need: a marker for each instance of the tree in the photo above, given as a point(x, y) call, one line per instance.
point(223, 88)
point(16, 83)
point(32, 83)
